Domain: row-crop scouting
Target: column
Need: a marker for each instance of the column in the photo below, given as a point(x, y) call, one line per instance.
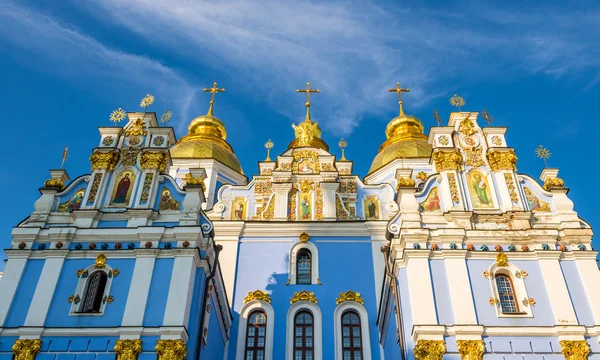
point(10, 281)
point(459, 285)
point(329, 208)
point(282, 191)
point(557, 288)
point(590, 277)
point(139, 289)
point(181, 289)
point(421, 290)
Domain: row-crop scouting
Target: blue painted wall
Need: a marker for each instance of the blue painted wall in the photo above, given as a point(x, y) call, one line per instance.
point(26, 289)
point(196, 309)
point(216, 343)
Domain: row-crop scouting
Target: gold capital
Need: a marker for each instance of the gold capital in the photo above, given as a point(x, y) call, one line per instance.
point(171, 349)
point(575, 349)
point(104, 160)
point(399, 90)
point(128, 349)
point(471, 349)
point(502, 159)
point(154, 160)
point(213, 90)
point(26, 349)
point(447, 160)
point(430, 349)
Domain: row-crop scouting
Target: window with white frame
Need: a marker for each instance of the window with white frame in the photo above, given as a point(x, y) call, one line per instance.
point(304, 332)
point(509, 291)
point(352, 338)
point(92, 292)
point(304, 264)
point(255, 332)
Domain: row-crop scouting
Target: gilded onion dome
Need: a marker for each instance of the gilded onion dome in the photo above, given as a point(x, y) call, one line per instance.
point(206, 140)
point(405, 139)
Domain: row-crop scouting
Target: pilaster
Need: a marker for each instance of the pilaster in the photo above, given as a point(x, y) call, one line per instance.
point(420, 288)
point(281, 191)
point(181, 289)
point(10, 281)
point(590, 277)
point(558, 293)
point(137, 298)
point(459, 285)
point(329, 189)
point(44, 291)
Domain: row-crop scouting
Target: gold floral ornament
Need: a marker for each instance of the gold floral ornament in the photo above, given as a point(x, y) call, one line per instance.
point(467, 127)
point(128, 349)
point(100, 261)
point(26, 349)
point(55, 183)
point(471, 349)
point(257, 295)
point(104, 160)
point(447, 160)
point(501, 259)
point(118, 115)
point(194, 181)
point(575, 349)
point(422, 175)
point(457, 101)
point(305, 186)
point(405, 182)
point(430, 349)
point(543, 154)
point(342, 144)
point(166, 117)
point(171, 349)
point(502, 160)
point(529, 302)
point(303, 296)
point(349, 296)
point(304, 237)
point(269, 145)
point(147, 101)
point(137, 128)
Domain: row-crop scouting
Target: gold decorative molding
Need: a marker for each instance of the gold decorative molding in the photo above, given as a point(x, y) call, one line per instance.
point(26, 349)
point(430, 349)
point(349, 296)
point(104, 160)
point(553, 182)
point(306, 186)
point(502, 159)
point(575, 349)
point(467, 127)
point(510, 184)
point(137, 128)
point(257, 295)
point(453, 188)
point(154, 160)
point(405, 182)
point(447, 160)
point(171, 349)
point(304, 237)
point(100, 261)
point(191, 180)
point(501, 259)
point(471, 349)
point(56, 182)
point(303, 296)
point(128, 349)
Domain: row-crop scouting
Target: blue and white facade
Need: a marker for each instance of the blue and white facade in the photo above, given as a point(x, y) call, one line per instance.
point(452, 255)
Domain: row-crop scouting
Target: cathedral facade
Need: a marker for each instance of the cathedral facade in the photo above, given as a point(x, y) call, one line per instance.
point(168, 250)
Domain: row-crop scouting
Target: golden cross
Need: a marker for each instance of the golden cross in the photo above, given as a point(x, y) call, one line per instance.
point(308, 90)
point(399, 91)
point(213, 90)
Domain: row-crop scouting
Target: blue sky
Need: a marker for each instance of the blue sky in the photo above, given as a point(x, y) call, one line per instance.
point(67, 64)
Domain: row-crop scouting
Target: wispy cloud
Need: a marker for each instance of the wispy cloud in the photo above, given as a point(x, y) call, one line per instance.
point(66, 51)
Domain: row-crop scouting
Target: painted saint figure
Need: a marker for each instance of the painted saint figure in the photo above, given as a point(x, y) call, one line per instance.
point(534, 203)
point(122, 190)
point(371, 209)
point(239, 211)
point(305, 208)
point(73, 204)
point(167, 202)
point(432, 203)
point(480, 188)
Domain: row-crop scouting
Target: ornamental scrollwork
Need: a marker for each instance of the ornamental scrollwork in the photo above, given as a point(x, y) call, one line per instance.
point(104, 160)
point(56, 182)
point(257, 295)
point(510, 184)
point(100, 261)
point(467, 127)
point(26, 349)
point(349, 296)
point(404, 182)
point(471, 349)
point(430, 349)
point(128, 349)
point(501, 259)
point(194, 180)
point(502, 160)
point(447, 160)
point(171, 349)
point(575, 349)
point(303, 296)
point(154, 160)
point(553, 182)
point(304, 237)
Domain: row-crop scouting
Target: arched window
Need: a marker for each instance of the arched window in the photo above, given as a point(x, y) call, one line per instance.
point(304, 267)
point(506, 294)
point(256, 332)
point(94, 292)
point(351, 336)
point(303, 336)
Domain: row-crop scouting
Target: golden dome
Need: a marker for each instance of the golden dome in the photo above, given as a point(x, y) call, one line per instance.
point(206, 140)
point(405, 139)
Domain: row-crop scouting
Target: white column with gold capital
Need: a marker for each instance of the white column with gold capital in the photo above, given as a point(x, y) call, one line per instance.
point(281, 191)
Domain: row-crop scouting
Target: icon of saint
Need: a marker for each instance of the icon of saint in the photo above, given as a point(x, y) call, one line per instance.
point(480, 188)
point(122, 189)
point(371, 210)
point(239, 211)
point(305, 207)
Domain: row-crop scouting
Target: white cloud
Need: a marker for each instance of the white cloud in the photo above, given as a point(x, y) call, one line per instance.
point(64, 50)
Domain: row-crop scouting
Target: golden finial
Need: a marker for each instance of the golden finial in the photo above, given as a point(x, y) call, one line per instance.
point(437, 117)
point(166, 117)
point(308, 90)
point(487, 117)
point(342, 144)
point(399, 91)
point(213, 90)
point(117, 115)
point(457, 101)
point(147, 101)
point(543, 153)
point(65, 155)
point(269, 145)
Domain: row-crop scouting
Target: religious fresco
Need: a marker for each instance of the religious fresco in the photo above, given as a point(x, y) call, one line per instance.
point(123, 189)
point(479, 188)
point(305, 207)
point(371, 208)
point(306, 167)
point(432, 202)
point(166, 201)
point(73, 203)
point(534, 203)
point(238, 211)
